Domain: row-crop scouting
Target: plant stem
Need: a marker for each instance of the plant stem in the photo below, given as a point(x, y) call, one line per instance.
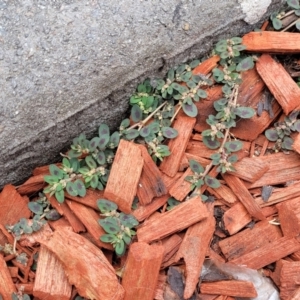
point(176, 113)
point(291, 25)
point(143, 122)
point(233, 101)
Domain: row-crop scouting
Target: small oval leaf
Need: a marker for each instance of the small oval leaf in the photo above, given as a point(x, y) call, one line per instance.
point(36, 208)
point(245, 112)
point(234, 146)
point(132, 134)
point(56, 171)
point(212, 182)
point(106, 205)
point(195, 166)
point(246, 64)
point(169, 132)
point(136, 113)
point(110, 225)
point(190, 109)
point(271, 135)
point(71, 190)
point(80, 188)
point(60, 196)
point(90, 162)
point(211, 144)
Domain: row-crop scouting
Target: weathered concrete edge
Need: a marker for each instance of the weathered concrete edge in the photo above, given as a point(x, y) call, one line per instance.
point(27, 158)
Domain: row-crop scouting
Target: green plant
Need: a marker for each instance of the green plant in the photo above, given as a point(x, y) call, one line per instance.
point(20, 296)
point(172, 202)
point(42, 212)
point(117, 225)
point(282, 130)
point(278, 16)
point(86, 165)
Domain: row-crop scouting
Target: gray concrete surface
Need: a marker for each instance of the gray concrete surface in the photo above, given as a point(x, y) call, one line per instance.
point(68, 65)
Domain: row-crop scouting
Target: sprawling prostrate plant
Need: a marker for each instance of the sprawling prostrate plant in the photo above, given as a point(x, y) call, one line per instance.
point(42, 213)
point(228, 112)
point(281, 132)
point(86, 165)
point(117, 225)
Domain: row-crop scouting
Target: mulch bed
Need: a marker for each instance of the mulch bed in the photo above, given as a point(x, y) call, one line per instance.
point(253, 222)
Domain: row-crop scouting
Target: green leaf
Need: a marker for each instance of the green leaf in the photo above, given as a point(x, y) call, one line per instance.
point(56, 171)
point(100, 157)
point(287, 143)
point(169, 132)
point(297, 25)
point(239, 47)
point(71, 189)
point(120, 248)
point(154, 127)
point(52, 215)
point(211, 144)
point(73, 153)
point(245, 64)
point(277, 24)
point(293, 3)
point(110, 225)
point(232, 158)
point(236, 40)
point(194, 63)
point(106, 205)
point(224, 54)
point(80, 188)
point(90, 162)
point(190, 110)
point(103, 130)
point(93, 144)
point(115, 139)
point(195, 166)
point(60, 196)
point(108, 238)
point(244, 112)
point(234, 146)
point(271, 135)
point(202, 94)
point(218, 74)
point(297, 12)
point(172, 202)
point(125, 123)
point(221, 48)
point(126, 238)
point(171, 74)
point(36, 208)
point(128, 220)
point(51, 179)
point(103, 140)
point(94, 182)
point(136, 113)
point(66, 162)
point(145, 131)
point(212, 182)
point(132, 134)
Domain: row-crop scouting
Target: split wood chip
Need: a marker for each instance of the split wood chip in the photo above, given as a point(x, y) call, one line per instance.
point(289, 217)
point(7, 286)
point(289, 279)
point(89, 219)
point(193, 249)
point(275, 275)
point(180, 217)
point(65, 211)
point(32, 185)
point(239, 189)
point(272, 42)
point(205, 67)
point(143, 212)
point(281, 195)
point(282, 168)
point(181, 188)
point(236, 218)
point(51, 281)
point(151, 183)
point(171, 245)
point(13, 206)
point(184, 163)
point(268, 253)
point(124, 176)
point(249, 169)
point(235, 288)
point(184, 125)
point(141, 271)
point(224, 194)
point(280, 83)
point(85, 265)
point(295, 295)
point(249, 239)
